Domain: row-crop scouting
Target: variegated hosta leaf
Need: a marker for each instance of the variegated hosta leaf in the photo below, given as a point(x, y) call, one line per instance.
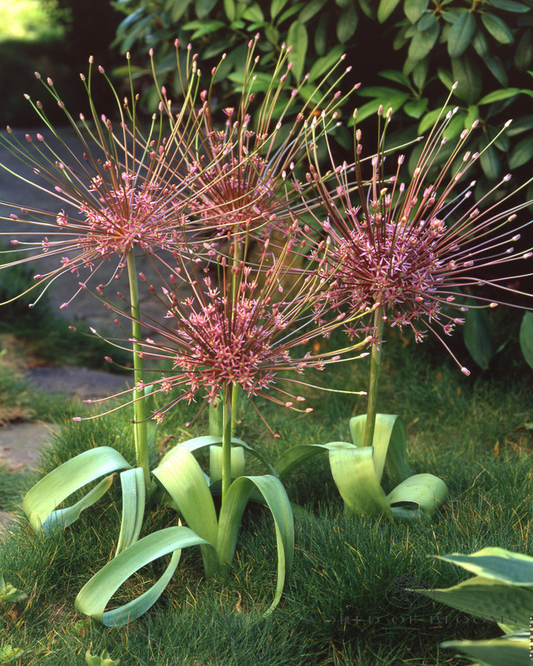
point(501, 592)
point(96, 594)
point(490, 599)
point(41, 501)
point(497, 563)
point(497, 652)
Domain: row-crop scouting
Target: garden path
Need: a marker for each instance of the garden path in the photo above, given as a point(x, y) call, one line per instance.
point(21, 443)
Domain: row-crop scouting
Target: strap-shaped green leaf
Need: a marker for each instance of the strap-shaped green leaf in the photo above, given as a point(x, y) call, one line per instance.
point(95, 595)
point(417, 497)
point(355, 476)
point(215, 462)
point(292, 458)
point(184, 480)
point(133, 500)
point(54, 488)
point(198, 443)
point(277, 501)
point(390, 444)
point(499, 652)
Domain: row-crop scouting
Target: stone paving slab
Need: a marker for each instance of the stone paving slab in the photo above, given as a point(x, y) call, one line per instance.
point(79, 383)
point(21, 444)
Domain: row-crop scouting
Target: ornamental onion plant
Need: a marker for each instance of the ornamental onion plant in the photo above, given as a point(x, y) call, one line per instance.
point(193, 199)
point(413, 248)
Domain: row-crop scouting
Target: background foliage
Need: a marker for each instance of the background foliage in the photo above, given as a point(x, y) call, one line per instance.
point(416, 49)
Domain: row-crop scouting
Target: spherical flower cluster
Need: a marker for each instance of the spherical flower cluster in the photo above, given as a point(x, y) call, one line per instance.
point(412, 248)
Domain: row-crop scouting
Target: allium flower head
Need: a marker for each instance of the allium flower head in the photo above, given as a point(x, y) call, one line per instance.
point(245, 156)
point(414, 246)
point(121, 189)
point(245, 332)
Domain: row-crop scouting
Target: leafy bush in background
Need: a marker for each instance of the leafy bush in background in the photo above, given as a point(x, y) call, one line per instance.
point(418, 48)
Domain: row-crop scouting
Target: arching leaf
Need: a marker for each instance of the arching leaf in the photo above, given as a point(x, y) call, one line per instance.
point(96, 594)
point(55, 487)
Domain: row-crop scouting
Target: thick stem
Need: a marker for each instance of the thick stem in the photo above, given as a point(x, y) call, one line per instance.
point(375, 366)
point(140, 414)
point(226, 440)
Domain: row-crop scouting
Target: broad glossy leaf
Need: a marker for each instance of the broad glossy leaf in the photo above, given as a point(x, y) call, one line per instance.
point(95, 595)
point(498, 95)
point(254, 13)
point(347, 23)
point(276, 6)
point(203, 7)
point(416, 109)
point(297, 38)
point(461, 33)
point(231, 10)
point(422, 43)
point(471, 115)
point(385, 9)
point(490, 163)
point(521, 153)
point(526, 338)
point(133, 501)
point(198, 443)
point(414, 9)
point(311, 8)
point(509, 6)
point(324, 64)
point(396, 76)
point(178, 9)
point(54, 488)
point(417, 497)
point(419, 73)
point(427, 21)
point(292, 458)
point(497, 652)
point(522, 124)
point(390, 444)
point(277, 501)
point(497, 28)
point(524, 52)
point(445, 77)
point(496, 68)
point(468, 77)
point(478, 335)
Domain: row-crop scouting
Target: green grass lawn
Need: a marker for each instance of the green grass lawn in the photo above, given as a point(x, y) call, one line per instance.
point(339, 608)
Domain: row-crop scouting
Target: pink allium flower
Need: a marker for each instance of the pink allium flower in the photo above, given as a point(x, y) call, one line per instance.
point(413, 247)
point(245, 332)
point(244, 158)
point(116, 194)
